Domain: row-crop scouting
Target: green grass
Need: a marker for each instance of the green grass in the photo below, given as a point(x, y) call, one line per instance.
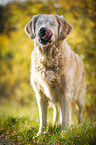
point(19, 127)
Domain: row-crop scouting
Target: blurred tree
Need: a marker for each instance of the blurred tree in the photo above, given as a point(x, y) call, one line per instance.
point(16, 48)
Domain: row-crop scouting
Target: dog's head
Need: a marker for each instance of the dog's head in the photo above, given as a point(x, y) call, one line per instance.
point(47, 28)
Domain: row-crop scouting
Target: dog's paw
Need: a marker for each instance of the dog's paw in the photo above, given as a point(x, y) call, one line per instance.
point(36, 136)
point(62, 133)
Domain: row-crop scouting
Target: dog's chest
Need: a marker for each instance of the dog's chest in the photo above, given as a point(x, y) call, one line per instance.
point(48, 72)
point(48, 69)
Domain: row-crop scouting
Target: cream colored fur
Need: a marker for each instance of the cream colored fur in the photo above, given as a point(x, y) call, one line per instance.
point(57, 73)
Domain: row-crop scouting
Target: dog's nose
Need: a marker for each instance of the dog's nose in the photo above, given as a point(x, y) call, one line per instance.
point(42, 32)
point(45, 34)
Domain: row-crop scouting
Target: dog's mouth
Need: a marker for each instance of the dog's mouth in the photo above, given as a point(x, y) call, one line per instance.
point(45, 35)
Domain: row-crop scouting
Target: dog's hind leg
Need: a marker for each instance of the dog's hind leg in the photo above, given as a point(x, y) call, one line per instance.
point(72, 112)
point(80, 115)
point(81, 103)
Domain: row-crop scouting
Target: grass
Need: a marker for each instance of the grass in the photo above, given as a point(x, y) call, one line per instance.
point(19, 127)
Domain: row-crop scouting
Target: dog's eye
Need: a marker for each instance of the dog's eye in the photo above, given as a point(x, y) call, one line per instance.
point(40, 22)
point(52, 24)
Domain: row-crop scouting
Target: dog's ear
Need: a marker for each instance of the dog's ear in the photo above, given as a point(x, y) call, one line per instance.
point(30, 27)
point(64, 28)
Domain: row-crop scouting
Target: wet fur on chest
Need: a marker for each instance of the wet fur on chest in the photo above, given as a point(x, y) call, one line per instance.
point(49, 70)
point(49, 65)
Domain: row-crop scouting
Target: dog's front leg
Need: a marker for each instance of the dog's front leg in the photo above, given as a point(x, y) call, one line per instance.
point(42, 106)
point(64, 116)
point(55, 114)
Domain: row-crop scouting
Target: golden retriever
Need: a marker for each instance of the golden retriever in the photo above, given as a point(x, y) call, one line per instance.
point(57, 73)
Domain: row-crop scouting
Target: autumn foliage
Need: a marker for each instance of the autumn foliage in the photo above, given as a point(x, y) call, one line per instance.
point(16, 47)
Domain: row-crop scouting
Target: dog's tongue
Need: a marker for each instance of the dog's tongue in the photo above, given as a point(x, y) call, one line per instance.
point(47, 35)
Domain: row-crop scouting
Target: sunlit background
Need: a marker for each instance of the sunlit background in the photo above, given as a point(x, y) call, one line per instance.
point(16, 48)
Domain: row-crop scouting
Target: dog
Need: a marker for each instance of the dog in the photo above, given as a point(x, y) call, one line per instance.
point(57, 73)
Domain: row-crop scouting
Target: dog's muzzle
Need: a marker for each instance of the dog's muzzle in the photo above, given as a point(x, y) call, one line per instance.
point(45, 35)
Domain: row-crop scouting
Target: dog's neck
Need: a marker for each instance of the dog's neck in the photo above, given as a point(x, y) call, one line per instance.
point(50, 50)
point(49, 58)
point(54, 49)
